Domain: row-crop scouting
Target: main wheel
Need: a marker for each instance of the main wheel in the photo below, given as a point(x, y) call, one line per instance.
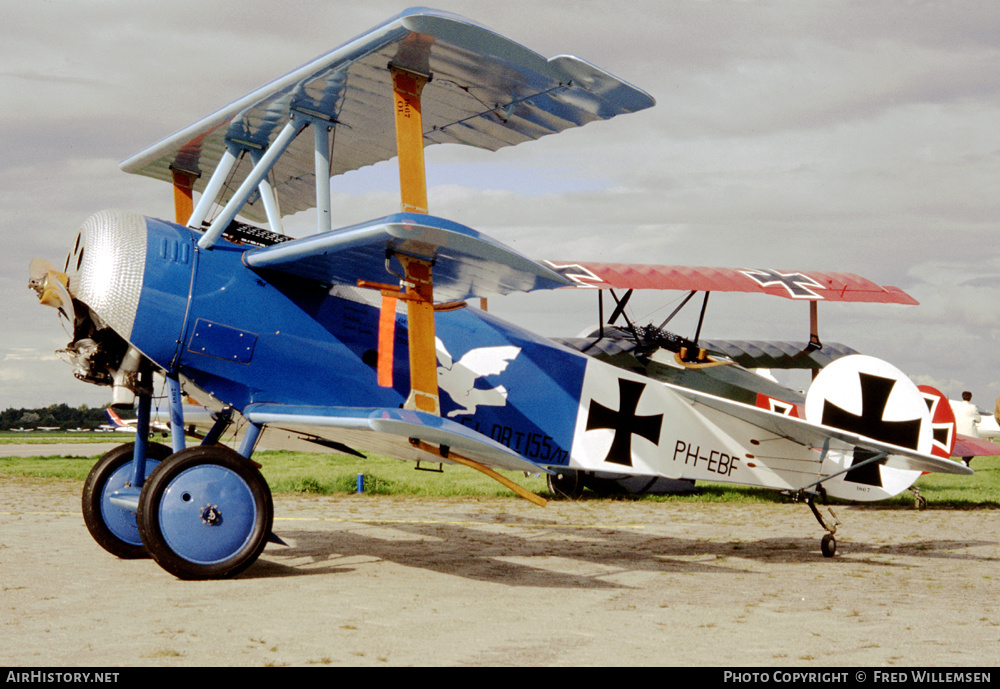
point(565, 484)
point(205, 513)
point(113, 527)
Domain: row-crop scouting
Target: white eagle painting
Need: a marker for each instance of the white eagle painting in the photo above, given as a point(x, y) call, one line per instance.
point(458, 378)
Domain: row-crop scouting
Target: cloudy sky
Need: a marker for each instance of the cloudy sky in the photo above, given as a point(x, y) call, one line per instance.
point(853, 136)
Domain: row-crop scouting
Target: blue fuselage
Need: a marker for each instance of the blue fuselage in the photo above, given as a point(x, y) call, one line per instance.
point(258, 337)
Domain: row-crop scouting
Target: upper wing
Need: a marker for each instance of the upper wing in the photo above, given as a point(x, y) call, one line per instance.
point(485, 91)
point(467, 263)
point(810, 285)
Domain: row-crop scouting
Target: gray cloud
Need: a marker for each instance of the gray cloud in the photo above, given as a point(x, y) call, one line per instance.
point(845, 136)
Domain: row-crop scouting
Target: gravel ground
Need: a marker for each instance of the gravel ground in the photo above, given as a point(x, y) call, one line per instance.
point(368, 580)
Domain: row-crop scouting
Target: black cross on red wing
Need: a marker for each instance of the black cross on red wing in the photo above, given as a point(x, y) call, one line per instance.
point(624, 422)
point(798, 284)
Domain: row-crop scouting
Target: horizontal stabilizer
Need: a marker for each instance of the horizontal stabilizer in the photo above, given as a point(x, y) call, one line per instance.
point(466, 263)
point(388, 431)
point(816, 435)
point(807, 286)
point(484, 91)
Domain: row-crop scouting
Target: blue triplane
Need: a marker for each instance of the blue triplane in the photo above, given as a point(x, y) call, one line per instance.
point(361, 338)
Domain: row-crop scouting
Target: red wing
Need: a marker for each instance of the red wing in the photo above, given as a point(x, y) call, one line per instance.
point(974, 447)
point(811, 285)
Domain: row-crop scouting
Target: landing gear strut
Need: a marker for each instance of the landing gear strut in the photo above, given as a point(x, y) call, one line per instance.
point(828, 545)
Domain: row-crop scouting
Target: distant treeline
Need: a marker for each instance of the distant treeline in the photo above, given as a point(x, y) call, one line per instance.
point(57, 416)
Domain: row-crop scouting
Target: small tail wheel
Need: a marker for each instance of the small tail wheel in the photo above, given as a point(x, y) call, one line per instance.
point(828, 545)
point(113, 527)
point(205, 513)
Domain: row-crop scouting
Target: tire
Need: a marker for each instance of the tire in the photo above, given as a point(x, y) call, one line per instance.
point(205, 513)
point(565, 484)
point(114, 528)
point(828, 545)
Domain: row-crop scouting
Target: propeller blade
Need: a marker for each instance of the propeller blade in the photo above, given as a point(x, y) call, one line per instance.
point(39, 268)
point(51, 284)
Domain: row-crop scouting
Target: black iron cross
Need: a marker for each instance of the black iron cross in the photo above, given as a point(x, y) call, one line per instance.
point(797, 284)
point(624, 422)
point(875, 391)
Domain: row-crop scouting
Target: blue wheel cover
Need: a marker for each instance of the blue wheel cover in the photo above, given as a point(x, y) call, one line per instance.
point(209, 491)
point(120, 521)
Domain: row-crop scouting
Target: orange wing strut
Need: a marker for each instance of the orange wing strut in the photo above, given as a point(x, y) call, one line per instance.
point(419, 300)
point(406, 89)
point(418, 278)
point(183, 195)
point(459, 459)
point(420, 320)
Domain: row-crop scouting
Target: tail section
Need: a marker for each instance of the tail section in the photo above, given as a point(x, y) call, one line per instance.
point(944, 432)
point(869, 397)
point(117, 423)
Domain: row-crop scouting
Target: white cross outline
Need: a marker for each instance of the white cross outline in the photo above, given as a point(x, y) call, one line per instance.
point(578, 274)
point(800, 282)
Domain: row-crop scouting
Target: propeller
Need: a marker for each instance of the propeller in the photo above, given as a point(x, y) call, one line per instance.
point(38, 268)
point(51, 286)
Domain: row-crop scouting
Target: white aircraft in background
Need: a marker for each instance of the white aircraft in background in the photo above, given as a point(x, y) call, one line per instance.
point(974, 437)
point(195, 417)
point(117, 423)
point(988, 427)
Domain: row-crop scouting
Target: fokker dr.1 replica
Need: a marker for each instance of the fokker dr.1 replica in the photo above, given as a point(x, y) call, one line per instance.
point(361, 338)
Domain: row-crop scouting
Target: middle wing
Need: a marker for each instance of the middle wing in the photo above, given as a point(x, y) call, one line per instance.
point(467, 263)
point(778, 354)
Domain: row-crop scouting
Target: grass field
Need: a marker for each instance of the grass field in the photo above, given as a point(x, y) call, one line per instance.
point(46, 437)
point(321, 473)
